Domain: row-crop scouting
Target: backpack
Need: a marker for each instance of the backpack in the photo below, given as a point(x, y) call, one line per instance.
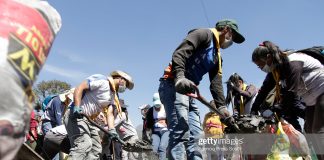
point(46, 101)
point(316, 52)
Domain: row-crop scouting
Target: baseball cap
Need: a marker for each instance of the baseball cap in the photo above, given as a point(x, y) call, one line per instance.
point(68, 94)
point(238, 38)
point(156, 99)
point(144, 106)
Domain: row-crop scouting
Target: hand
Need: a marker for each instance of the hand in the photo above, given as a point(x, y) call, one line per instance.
point(224, 111)
point(229, 121)
point(230, 85)
point(184, 86)
point(277, 108)
point(267, 113)
point(254, 113)
point(77, 111)
point(112, 134)
point(235, 115)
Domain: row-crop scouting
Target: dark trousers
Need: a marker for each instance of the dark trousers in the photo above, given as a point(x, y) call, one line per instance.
point(314, 124)
point(54, 143)
point(111, 149)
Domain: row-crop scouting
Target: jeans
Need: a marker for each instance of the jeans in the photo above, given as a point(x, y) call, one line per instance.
point(46, 126)
point(160, 143)
point(183, 122)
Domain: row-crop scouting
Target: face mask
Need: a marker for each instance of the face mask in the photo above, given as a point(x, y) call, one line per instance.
point(157, 106)
point(121, 88)
point(227, 43)
point(143, 112)
point(266, 68)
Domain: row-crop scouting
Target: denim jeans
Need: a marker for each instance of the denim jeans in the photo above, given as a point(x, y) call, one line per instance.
point(160, 143)
point(183, 122)
point(46, 126)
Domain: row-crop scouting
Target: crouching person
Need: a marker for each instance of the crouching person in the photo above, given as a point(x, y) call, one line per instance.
point(55, 140)
point(126, 131)
point(90, 98)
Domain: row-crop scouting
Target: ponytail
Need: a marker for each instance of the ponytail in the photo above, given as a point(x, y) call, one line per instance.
point(267, 47)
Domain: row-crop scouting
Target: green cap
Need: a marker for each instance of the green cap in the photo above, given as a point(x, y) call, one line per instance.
point(238, 38)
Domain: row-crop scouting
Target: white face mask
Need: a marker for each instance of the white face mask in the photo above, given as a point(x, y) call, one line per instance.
point(121, 88)
point(157, 106)
point(227, 43)
point(143, 112)
point(266, 68)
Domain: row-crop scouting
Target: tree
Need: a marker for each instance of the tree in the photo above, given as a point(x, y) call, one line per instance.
point(51, 87)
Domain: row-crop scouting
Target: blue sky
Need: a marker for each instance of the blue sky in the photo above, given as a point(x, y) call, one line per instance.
point(139, 37)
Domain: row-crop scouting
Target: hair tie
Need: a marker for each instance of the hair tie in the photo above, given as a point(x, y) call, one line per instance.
point(261, 44)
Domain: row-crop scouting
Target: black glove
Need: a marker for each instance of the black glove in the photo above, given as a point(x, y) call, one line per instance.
point(254, 113)
point(229, 121)
point(277, 108)
point(224, 111)
point(184, 85)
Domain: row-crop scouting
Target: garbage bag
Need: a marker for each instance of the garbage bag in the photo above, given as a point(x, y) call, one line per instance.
point(280, 148)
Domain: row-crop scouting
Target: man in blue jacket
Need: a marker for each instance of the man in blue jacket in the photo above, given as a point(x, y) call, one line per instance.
point(54, 110)
point(198, 54)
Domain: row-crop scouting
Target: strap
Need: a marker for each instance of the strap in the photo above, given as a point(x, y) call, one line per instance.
point(242, 100)
point(215, 32)
point(276, 77)
point(116, 99)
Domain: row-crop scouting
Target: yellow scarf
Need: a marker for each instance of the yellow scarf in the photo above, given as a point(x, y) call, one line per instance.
point(242, 100)
point(276, 77)
point(216, 34)
point(116, 99)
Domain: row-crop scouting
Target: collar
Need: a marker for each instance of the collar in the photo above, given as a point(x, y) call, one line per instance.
point(216, 34)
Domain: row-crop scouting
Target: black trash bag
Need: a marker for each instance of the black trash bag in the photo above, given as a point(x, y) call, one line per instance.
point(248, 124)
point(138, 146)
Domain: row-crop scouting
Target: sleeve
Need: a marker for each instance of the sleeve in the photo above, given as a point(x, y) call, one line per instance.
point(236, 108)
point(56, 105)
point(268, 84)
point(96, 81)
point(251, 90)
point(204, 122)
point(292, 104)
point(195, 39)
point(294, 79)
point(216, 88)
